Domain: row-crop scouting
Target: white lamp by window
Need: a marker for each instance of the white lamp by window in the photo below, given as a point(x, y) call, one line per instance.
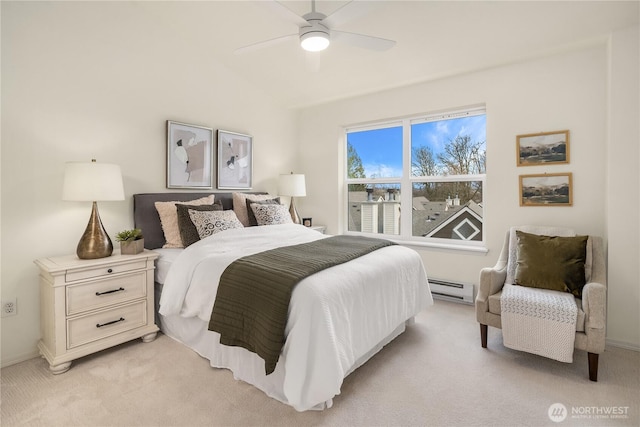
point(93, 182)
point(292, 185)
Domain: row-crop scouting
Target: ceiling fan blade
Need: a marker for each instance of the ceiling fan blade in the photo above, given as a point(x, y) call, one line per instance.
point(264, 44)
point(363, 41)
point(349, 12)
point(284, 12)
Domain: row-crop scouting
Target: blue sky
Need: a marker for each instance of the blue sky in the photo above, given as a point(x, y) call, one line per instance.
point(381, 149)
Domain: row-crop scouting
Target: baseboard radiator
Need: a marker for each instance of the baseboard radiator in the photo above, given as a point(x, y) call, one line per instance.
point(451, 291)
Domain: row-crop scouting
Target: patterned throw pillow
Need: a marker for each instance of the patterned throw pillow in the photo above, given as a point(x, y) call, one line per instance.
point(240, 205)
point(211, 222)
point(271, 214)
point(252, 218)
point(169, 219)
point(188, 232)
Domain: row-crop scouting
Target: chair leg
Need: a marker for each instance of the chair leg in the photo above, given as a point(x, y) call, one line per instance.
point(483, 336)
point(593, 366)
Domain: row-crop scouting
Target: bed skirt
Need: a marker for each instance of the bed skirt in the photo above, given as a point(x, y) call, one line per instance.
point(246, 366)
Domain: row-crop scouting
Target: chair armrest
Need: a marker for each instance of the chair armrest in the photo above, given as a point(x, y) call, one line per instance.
point(594, 304)
point(491, 281)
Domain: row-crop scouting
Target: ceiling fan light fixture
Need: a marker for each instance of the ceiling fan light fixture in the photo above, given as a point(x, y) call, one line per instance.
point(314, 40)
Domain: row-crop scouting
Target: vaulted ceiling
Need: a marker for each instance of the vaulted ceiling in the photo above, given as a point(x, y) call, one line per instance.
point(434, 39)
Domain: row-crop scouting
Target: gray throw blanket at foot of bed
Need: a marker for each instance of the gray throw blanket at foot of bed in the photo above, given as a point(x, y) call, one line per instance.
point(252, 301)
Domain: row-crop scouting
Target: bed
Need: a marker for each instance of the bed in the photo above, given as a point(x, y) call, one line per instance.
point(334, 323)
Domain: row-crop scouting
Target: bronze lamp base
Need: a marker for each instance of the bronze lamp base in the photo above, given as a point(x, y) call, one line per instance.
point(95, 242)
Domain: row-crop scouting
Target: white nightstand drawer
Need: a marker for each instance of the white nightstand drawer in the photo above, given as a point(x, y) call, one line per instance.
point(102, 293)
point(85, 329)
point(105, 270)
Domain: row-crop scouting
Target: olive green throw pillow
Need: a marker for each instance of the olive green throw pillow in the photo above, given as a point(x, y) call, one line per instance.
point(551, 262)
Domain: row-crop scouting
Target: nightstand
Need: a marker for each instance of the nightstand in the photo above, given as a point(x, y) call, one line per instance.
point(90, 305)
point(320, 228)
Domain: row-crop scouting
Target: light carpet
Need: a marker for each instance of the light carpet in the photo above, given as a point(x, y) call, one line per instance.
point(435, 374)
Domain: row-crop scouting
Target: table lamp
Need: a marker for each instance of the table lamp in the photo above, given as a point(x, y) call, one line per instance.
point(93, 182)
point(292, 185)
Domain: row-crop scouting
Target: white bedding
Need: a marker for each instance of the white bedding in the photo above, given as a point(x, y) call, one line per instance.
point(163, 264)
point(338, 318)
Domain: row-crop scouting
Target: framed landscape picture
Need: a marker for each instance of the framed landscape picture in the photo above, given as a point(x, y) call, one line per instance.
point(549, 189)
point(235, 162)
point(543, 148)
point(189, 156)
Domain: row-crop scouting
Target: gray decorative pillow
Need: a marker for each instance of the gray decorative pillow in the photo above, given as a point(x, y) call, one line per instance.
point(208, 223)
point(252, 217)
point(271, 214)
point(188, 231)
point(240, 205)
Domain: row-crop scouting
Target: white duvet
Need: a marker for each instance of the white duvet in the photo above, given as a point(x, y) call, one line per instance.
point(338, 318)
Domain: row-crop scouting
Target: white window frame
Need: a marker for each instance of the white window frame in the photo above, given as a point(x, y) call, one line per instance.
point(406, 182)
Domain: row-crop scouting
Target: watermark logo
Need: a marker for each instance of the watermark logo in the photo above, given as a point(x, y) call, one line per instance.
point(557, 412)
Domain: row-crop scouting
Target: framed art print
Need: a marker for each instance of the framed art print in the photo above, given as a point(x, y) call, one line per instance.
point(548, 189)
point(543, 148)
point(235, 162)
point(189, 156)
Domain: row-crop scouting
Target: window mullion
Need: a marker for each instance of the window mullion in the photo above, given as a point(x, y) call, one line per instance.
point(448, 178)
point(406, 188)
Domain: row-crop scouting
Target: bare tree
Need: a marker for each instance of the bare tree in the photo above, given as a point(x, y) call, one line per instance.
point(423, 162)
point(463, 157)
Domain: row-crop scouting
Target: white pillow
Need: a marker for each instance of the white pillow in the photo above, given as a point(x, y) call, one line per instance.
point(169, 219)
point(271, 214)
point(211, 222)
point(240, 205)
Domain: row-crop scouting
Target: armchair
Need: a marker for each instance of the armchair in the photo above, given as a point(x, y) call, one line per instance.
point(591, 321)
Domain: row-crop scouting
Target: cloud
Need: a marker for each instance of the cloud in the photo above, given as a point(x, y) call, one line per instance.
point(379, 170)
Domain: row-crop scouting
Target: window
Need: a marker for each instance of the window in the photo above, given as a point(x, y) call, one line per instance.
point(419, 178)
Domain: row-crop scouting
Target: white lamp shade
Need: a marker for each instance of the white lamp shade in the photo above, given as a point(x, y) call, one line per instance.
point(292, 185)
point(92, 182)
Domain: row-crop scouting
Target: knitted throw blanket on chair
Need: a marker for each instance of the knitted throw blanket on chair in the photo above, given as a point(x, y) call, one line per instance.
point(539, 321)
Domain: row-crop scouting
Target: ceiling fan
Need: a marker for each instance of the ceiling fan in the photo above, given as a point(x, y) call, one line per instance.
point(316, 30)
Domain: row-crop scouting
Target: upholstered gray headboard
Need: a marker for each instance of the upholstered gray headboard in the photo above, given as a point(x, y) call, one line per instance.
point(146, 218)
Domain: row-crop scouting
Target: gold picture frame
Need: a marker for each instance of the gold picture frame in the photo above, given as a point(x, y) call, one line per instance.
point(546, 189)
point(542, 148)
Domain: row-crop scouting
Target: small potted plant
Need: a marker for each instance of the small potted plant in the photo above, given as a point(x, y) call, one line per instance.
point(131, 241)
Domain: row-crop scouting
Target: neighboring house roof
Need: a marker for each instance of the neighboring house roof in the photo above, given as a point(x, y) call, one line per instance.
point(463, 224)
point(419, 203)
point(430, 219)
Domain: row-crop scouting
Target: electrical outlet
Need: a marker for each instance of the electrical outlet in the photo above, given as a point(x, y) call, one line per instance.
point(9, 307)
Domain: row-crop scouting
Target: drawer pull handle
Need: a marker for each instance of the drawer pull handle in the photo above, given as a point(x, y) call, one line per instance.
point(98, 325)
point(110, 292)
point(110, 270)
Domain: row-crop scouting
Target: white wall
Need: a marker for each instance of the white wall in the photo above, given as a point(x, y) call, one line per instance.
point(623, 188)
point(565, 91)
point(99, 80)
